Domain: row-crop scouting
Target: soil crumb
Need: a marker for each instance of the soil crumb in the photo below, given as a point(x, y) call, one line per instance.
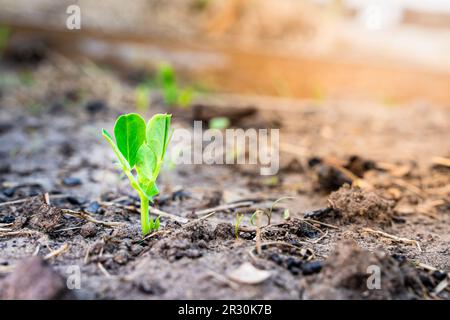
point(350, 273)
point(352, 204)
point(40, 215)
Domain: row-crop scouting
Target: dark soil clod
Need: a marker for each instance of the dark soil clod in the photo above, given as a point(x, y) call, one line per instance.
point(72, 182)
point(346, 272)
point(39, 215)
point(352, 205)
point(34, 279)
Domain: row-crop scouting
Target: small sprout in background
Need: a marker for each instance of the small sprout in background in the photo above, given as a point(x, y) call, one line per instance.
point(271, 181)
point(26, 78)
point(219, 123)
point(166, 81)
point(173, 95)
point(185, 97)
point(286, 214)
point(274, 204)
point(253, 216)
point(268, 214)
point(199, 5)
point(141, 147)
point(142, 97)
point(239, 217)
point(5, 33)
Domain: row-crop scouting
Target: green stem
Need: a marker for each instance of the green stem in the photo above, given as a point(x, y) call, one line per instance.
point(145, 221)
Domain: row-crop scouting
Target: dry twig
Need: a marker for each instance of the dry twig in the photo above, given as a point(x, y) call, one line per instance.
point(57, 252)
point(392, 237)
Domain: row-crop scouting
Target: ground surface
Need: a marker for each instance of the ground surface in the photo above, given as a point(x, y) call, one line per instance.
point(396, 215)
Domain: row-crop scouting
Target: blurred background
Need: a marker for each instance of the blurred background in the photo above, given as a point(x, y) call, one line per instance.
point(391, 51)
point(339, 76)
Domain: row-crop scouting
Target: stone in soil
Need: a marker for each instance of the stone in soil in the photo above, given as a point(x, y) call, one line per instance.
point(34, 279)
point(89, 230)
point(71, 182)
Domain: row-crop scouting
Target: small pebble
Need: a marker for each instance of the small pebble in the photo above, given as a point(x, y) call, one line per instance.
point(193, 253)
point(121, 257)
point(150, 287)
point(247, 235)
point(76, 200)
point(136, 249)
point(295, 271)
point(399, 257)
point(93, 207)
point(293, 263)
point(95, 106)
point(276, 258)
point(439, 275)
point(7, 219)
point(202, 244)
point(71, 182)
point(88, 230)
point(9, 192)
point(311, 267)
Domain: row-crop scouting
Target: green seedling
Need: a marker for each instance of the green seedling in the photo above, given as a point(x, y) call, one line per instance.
point(269, 216)
point(286, 213)
point(142, 97)
point(141, 147)
point(219, 123)
point(185, 97)
point(5, 33)
point(239, 217)
point(173, 95)
point(199, 5)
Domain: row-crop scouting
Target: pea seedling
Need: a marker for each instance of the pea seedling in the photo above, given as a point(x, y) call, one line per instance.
point(239, 217)
point(141, 147)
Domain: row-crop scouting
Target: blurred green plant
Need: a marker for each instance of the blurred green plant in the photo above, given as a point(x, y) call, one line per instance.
point(219, 123)
point(268, 214)
point(142, 96)
point(5, 33)
point(239, 217)
point(26, 78)
point(199, 5)
point(172, 93)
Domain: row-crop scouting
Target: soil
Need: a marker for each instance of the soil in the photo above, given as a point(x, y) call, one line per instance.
point(64, 202)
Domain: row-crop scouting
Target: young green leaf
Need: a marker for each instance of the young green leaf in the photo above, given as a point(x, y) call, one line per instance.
point(122, 160)
point(149, 188)
point(157, 224)
point(157, 134)
point(219, 123)
point(129, 131)
point(146, 168)
point(146, 162)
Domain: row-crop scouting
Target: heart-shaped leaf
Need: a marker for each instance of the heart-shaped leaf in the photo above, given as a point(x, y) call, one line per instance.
point(146, 163)
point(122, 160)
point(157, 134)
point(129, 131)
point(146, 168)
